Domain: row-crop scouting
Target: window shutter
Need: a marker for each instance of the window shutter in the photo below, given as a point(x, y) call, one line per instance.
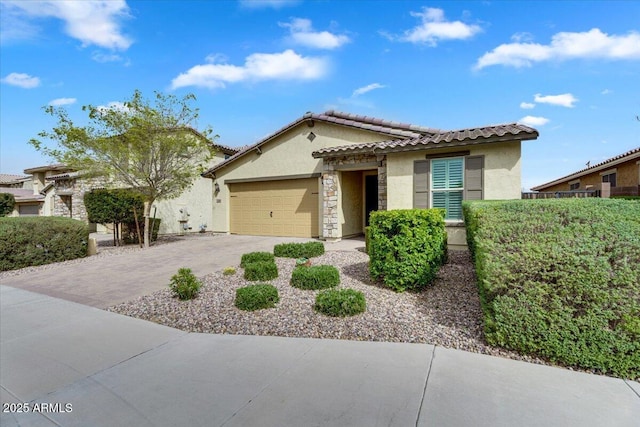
point(421, 184)
point(473, 178)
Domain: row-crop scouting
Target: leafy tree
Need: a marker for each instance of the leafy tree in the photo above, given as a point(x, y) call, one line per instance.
point(114, 206)
point(7, 202)
point(149, 147)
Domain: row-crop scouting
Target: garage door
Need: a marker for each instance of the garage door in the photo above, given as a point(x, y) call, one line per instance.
point(275, 208)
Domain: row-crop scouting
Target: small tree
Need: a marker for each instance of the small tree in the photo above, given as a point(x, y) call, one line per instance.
point(151, 148)
point(7, 202)
point(113, 207)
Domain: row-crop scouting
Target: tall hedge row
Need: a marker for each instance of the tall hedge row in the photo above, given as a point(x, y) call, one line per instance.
point(29, 241)
point(560, 278)
point(406, 247)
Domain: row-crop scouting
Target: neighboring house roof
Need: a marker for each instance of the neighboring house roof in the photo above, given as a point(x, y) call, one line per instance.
point(441, 139)
point(6, 178)
point(395, 130)
point(66, 175)
point(52, 167)
point(621, 158)
point(23, 195)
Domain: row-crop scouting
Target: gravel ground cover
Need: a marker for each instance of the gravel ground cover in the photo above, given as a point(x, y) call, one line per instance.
point(447, 314)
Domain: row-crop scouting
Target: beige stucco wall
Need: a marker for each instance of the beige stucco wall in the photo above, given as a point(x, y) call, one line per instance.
point(502, 177)
point(350, 193)
point(286, 155)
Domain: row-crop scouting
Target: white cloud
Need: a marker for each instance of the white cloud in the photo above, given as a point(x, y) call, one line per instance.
point(527, 105)
point(367, 88)
point(114, 105)
point(522, 37)
point(287, 65)
point(91, 22)
point(22, 80)
point(302, 33)
point(533, 121)
point(564, 100)
point(606, 92)
point(62, 101)
point(260, 4)
point(106, 57)
point(593, 44)
point(434, 28)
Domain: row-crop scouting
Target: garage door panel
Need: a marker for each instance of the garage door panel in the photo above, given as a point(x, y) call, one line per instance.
point(275, 208)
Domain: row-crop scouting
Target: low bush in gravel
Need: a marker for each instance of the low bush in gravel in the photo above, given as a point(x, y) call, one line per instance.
point(299, 250)
point(255, 257)
point(30, 241)
point(185, 285)
point(560, 279)
point(261, 270)
point(257, 297)
point(340, 302)
point(315, 277)
point(228, 271)
point(406, 247)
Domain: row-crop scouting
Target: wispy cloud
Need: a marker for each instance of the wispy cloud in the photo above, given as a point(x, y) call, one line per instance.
point(92, 22)
point(563, 100)
point(263, 4)
point(287, 65)
point(593, 44)
point(62, 101)
point(367, 88)
point(302, 33)
point(106, 57)
point(533, 121)
point(434, 28)
point(527, 105)
point(606, 92)
point(22, 80)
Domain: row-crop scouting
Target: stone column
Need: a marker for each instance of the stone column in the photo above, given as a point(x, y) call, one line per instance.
point(382, 182)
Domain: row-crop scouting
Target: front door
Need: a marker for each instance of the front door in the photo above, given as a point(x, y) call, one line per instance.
point(370, 196)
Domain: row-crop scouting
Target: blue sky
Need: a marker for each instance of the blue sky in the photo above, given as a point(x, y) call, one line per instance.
point(569, 69)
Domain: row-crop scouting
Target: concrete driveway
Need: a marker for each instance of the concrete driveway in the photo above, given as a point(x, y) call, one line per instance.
point(105, 281)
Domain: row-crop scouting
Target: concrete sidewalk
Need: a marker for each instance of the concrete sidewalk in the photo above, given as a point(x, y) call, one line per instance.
point(105, 281)
point(114, 370)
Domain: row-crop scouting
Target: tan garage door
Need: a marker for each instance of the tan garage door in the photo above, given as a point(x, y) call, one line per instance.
point(275, 208)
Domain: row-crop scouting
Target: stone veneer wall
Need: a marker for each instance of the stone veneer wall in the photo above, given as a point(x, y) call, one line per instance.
point(79, 187)
point(330, 188)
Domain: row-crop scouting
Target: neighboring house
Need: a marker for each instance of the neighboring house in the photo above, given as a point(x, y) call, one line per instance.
point(63, 192)
point(322, 174)
point(621, 172)
point(27, 203)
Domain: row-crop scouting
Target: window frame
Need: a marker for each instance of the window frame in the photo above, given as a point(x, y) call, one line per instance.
point(447, 190)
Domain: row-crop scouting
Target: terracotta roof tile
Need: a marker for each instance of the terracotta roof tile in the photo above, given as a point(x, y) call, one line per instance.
point(6, 178)
point(22, 195)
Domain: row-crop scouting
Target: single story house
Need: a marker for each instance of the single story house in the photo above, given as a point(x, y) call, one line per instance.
point(322, 174)
point(622, 172)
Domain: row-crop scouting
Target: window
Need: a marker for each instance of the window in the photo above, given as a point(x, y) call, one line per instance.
point(444, 182)
point(574, 186)
point(610, 178)
point(447, 184)
point(28, 210)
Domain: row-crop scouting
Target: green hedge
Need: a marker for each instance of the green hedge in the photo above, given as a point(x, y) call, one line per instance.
point(256, 256)
point(299, 250)
point(261, 270)
point(407, 247)
point(560, 279)
point(130, 232)
point(315, 277)
point(340, 302)
point(7, 202)
point(257, 297)
point(29, 241)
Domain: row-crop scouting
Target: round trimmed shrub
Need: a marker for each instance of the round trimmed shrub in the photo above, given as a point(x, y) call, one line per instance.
point(256, 297)
point(185, 285)
point(340, 302)
point(261, 270)
point(255, 257)
point(315, 277)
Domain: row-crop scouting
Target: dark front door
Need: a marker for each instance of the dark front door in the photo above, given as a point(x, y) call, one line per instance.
point(370, 195)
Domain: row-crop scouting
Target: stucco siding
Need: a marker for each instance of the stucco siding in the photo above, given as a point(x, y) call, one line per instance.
point(197, 202)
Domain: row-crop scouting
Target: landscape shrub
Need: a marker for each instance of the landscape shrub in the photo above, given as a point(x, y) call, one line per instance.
point(407, 247)
point(299, 250)
point(256, 256)
point(256, 297)
point(130, 232)
point(340, 302)
point(261, 270)
point(7, 202)
point(185, 285)
point(315, 277)
point(366, 239)
point(560, 279)
point(229, 271)
point(30, 241)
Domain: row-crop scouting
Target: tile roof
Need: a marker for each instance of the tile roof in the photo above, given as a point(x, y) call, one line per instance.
point(629, 155)
point(54, 166)
point(6, 178)
point(390, 128)
point(66, 175)
point(22, 195)
point(494, 133)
